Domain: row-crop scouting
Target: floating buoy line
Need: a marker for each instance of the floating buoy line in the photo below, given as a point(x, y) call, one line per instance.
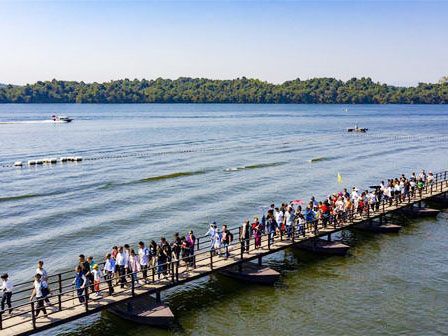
point(314, 137)
point(46, 161)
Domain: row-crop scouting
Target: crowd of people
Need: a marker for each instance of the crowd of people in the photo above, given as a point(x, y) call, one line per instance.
point(122, 264)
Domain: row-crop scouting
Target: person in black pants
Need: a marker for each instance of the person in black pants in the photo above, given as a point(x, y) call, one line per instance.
point(37, 292)
point(120, 265)
point(7, 293)
point(245, 235)
point(85, 268)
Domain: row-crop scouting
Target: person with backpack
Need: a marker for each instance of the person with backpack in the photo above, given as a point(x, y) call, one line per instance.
point(185, 252)
point(44, 277)
point(40, 291)
point(226, 240)
point(176, 246)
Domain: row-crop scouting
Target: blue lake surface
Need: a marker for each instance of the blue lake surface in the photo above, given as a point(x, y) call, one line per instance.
point(152, 170)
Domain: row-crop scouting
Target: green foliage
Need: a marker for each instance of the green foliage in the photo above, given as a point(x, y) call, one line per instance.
point(240, 90)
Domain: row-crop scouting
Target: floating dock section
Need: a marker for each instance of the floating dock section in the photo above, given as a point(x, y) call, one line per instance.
point(144, 310)
point(253, 273)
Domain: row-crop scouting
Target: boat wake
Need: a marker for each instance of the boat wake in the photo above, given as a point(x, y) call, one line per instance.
point(33, 122)
point(262, 165)
point(154, 179)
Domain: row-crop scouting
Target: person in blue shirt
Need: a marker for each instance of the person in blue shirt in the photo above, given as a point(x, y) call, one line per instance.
point(310, 215)
point(109, 271)
point(80, 283)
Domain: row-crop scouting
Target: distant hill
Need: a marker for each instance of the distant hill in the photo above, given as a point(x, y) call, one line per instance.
point(240, 90)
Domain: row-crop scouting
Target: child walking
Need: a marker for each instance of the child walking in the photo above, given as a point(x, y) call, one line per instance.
point(96, 279)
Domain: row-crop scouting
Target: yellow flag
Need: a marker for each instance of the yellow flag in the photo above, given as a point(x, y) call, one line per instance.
point(339, 178)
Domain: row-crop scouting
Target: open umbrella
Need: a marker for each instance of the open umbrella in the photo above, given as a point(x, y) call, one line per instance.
point(297, 202)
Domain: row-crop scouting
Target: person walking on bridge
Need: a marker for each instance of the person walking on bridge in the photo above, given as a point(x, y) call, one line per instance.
point(191, 239)
point(245, 236)
point(109, 270)
point(227, 238)
point(212, 234)
point(272, 227)
point(289, 219)
point(85, 268)
point(44, 276)
point(80, 282)
point(144, 259)
point(121, 265)
point(40, 287)
point(6, 293)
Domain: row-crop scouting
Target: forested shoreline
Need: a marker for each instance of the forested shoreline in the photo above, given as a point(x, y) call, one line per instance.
point(240, 90)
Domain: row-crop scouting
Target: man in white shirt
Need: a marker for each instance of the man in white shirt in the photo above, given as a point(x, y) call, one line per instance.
point(44, 277)
point(355, 195)
point(40, 270)
point(144, 256)
point(120, 263)
point(6, 293)
point(278, 216)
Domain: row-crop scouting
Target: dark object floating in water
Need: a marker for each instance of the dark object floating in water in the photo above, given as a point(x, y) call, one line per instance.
point(419, 212)
point(144, 310)
point(376, 226)
point(252, 273)
point(356, 129)
point(322, 246)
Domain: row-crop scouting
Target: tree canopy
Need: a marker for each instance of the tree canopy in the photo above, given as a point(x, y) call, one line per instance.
point(240, 90)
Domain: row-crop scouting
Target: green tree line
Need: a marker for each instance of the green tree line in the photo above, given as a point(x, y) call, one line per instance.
point(240, 90)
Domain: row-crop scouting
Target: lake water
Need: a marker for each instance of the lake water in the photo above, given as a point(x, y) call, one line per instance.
point(152, 170)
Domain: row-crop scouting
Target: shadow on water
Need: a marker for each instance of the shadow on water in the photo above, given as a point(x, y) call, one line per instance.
point(80, 187)
point(154, 179)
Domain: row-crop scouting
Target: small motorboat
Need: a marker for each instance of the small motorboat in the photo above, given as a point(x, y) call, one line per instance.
point(356, 129)
point(61, 118)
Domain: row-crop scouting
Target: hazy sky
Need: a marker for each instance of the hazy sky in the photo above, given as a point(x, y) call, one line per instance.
point(403, 42)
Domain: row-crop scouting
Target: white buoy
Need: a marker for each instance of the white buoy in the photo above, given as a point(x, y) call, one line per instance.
point(31, 162)
point(78, 158)
point(39, 162)
point(53, 160)
point(46, 160)
point(18, 164)
point(63, 159)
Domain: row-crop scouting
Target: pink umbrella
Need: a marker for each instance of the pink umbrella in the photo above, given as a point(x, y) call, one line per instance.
point(297, 202)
